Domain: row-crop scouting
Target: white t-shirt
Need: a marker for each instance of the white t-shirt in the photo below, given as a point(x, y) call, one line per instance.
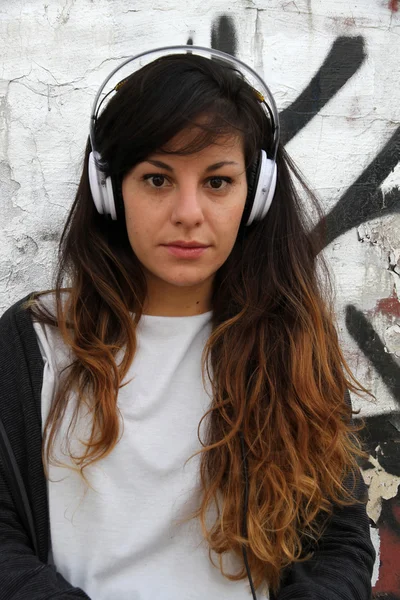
point(119, 538)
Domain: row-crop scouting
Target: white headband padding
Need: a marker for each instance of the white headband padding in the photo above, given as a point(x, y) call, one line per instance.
point(109, 199)
point(96, 185)
point(264, 189)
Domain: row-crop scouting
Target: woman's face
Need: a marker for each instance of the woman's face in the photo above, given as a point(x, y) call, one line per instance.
point(173, 201)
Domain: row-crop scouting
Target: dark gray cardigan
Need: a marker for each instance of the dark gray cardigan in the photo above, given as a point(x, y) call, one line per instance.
point(340, 569)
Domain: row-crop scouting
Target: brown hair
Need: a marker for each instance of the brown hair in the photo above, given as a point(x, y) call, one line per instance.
point(277, 372)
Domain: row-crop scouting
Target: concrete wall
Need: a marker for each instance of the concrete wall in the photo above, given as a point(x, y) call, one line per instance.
point(334, 68)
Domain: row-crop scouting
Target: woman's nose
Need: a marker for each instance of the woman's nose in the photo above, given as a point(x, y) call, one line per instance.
point(187, 208)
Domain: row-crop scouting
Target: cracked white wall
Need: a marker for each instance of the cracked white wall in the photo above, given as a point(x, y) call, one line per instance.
point(55, 55)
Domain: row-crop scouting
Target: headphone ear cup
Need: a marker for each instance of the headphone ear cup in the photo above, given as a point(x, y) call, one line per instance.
point(101, 188)
point(262, 188)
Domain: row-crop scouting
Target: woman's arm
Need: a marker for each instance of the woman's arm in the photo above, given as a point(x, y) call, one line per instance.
point(22, 575)
point(341, 568)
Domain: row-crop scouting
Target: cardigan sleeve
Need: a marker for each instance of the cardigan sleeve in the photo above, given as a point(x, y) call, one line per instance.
point(24, 574)
point(342, 564)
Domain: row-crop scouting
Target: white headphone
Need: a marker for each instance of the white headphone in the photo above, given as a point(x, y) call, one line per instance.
point(262, 175)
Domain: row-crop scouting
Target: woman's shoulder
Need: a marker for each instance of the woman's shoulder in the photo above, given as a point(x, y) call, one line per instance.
point(16, 314)
point(25, 344)
point(17, 324)
point(30, 306)
point(22, 308)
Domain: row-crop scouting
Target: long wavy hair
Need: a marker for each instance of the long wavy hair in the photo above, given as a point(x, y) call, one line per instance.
point(278, 376)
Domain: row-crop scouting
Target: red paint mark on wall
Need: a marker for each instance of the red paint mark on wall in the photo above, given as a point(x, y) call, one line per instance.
point(388, 581)
point(389, 533)
point(389, 306)
point(394, 5)
point(396, 513)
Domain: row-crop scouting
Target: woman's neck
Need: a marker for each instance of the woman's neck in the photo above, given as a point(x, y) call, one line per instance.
point(167, 300)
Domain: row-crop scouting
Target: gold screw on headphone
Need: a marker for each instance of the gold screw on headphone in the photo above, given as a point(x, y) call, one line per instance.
point(120, 84)
point(260, 97)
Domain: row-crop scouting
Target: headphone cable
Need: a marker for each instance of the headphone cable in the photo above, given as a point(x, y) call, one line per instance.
point(245, 506)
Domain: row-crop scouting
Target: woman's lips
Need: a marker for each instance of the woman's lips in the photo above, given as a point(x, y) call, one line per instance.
point(185, 252)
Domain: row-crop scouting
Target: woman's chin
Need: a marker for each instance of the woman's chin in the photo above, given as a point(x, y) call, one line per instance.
point(181, 279)
point(183, 282)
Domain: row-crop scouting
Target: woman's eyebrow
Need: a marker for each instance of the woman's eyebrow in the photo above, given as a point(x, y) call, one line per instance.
point(218, 165)
point(214, 167)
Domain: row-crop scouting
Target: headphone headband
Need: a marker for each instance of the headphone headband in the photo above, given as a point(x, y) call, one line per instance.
point(264, 94)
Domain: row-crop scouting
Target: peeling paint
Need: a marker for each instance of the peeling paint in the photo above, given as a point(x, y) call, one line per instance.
point(383, 235)
point(392, 340)
point(377, 542)
point(392, 180)
point(49, 236)
point(25, 245)
point(9, 190)
point(382, 485)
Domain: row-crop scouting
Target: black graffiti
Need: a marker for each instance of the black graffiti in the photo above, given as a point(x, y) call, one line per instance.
point(223, 35)
point(373, 348)
point(343, 61)
point(364, 199)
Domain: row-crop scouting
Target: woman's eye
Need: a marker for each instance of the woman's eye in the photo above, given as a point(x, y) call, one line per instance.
point(219, 183)
point(156, 181)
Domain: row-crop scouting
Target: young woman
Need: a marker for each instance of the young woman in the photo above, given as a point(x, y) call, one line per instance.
point(175, 420)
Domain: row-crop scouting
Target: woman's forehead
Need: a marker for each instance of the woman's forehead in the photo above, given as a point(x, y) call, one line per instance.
point(195, 139)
